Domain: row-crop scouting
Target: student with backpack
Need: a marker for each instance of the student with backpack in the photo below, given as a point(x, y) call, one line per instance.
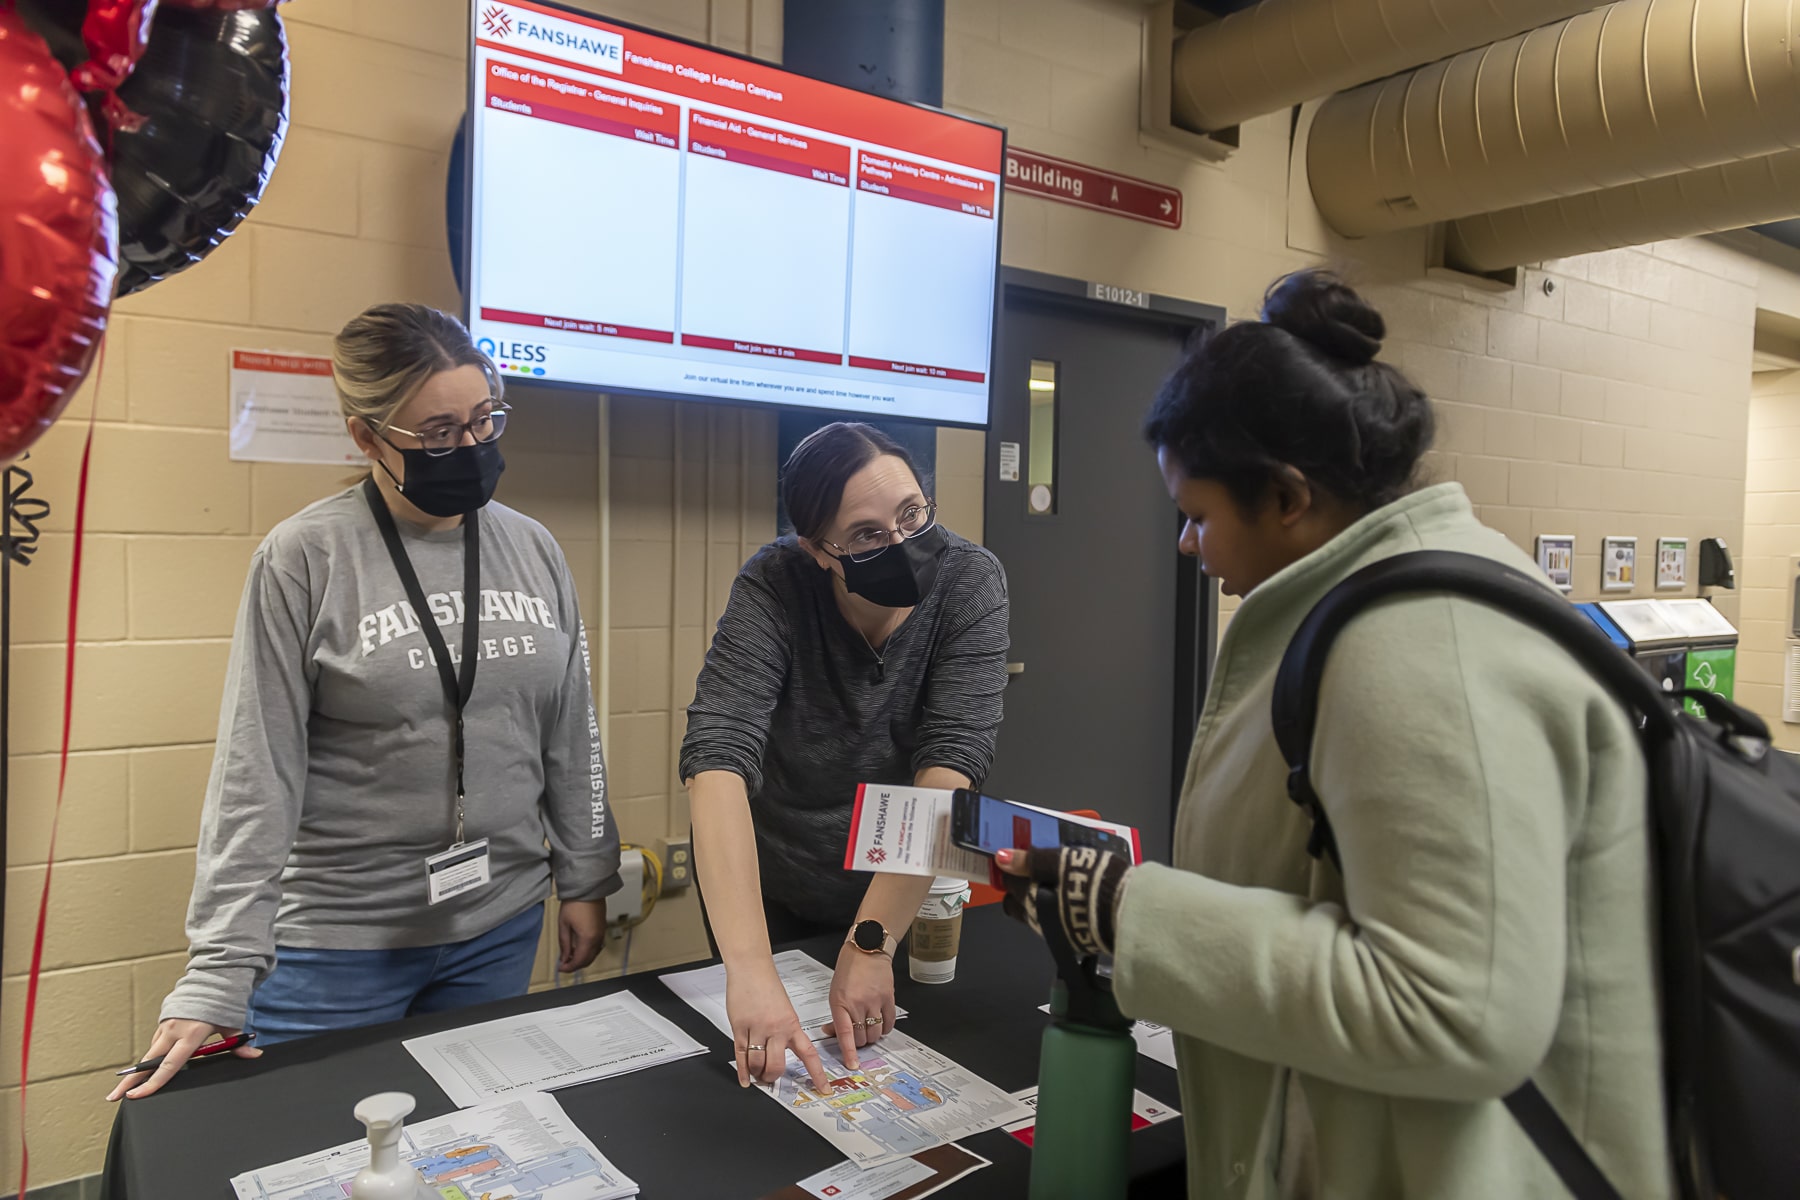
point(1349, 1025)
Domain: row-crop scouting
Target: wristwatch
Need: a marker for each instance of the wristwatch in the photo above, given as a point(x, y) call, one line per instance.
point(872, 937)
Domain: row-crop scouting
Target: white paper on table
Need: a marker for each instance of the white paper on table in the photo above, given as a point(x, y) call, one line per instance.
point(524, 1148)
point(847, 1181)
point(550, 1049)
point(807, 980)
point(285, 409)
point(1153, 1040)
point(1145, 1112)
point(904, 1098)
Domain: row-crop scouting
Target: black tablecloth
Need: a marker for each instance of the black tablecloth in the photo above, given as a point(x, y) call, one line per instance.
point(684, 1130)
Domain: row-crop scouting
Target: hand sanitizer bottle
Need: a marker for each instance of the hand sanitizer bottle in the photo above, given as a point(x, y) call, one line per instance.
point(386, 1177)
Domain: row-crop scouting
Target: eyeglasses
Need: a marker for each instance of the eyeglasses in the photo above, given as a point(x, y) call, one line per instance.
point(440, 440)
point(865, 545)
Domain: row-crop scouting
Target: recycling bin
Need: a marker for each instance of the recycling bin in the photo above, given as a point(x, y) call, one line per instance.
point(1682, 643)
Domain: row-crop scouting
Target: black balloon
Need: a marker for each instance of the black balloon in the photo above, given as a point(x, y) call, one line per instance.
point(58, 22)
point(213, 87)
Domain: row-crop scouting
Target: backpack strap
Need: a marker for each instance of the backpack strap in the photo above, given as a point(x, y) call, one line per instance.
point(1294, 714)
point(1556, 1142)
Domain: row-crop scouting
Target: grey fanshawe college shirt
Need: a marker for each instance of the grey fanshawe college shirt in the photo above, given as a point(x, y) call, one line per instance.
point(794, 700)
point(332, 781)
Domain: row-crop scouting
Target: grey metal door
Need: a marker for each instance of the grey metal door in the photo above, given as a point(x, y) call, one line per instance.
point(1078, 515)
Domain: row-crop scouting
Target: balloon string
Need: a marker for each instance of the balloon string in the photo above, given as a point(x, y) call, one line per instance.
point(62, 777)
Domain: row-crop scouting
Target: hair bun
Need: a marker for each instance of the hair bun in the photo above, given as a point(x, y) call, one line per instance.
point(1322, 310)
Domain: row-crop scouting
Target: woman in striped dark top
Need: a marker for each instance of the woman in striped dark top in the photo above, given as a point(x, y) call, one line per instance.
point(869, 646)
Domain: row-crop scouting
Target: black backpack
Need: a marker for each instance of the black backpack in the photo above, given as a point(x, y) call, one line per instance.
point(1724, 814)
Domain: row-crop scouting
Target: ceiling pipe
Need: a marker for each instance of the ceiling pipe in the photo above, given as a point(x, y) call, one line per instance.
point(1733, 196)
point(1281, 52)
point(1636, 90)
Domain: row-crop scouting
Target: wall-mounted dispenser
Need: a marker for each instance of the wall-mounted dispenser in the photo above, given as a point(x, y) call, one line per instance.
point(1715, 564)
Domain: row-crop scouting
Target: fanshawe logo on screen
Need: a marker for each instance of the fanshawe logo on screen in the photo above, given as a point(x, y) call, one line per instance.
point(496, 22)
point(571, 41)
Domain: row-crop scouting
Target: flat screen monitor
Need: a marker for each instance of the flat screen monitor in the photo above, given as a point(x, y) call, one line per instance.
point(647, 215)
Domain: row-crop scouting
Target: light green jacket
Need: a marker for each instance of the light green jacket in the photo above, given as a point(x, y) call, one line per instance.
point(1350, 1036)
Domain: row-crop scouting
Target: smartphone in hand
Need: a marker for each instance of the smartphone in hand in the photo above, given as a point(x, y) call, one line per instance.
point(987, 825)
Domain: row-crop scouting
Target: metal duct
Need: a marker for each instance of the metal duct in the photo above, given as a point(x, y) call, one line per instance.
point(1737, 194)
point(1637, 90)
point(1281, 52)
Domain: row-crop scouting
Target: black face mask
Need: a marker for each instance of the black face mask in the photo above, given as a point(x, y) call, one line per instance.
point(900, 576)
point(453, 484)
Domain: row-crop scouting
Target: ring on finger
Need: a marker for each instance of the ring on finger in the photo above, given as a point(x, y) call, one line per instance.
point(871, 1020)
point(756, 1048)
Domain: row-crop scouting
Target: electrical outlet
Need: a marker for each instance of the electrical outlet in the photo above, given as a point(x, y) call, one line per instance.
point(678, 864)
point(627, 904)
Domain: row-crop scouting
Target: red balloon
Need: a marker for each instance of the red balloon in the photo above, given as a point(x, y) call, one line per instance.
point(59, 238)
point(114, 32)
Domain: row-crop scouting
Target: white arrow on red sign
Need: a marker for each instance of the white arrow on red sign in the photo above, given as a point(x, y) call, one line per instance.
point(1092, 188)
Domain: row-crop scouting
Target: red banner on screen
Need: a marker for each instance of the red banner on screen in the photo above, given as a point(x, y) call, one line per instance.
point(577, 325)
point(739, 141)
point(888, 364)
point(697, 73)
point(903, 179)
point(738, 346)
point(571, 102)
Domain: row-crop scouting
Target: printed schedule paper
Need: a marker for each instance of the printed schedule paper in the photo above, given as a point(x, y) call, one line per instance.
point(555, 1048)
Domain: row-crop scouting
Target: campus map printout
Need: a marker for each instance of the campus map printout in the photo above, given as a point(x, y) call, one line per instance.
point(807, 980)
point(519, 1149)
point(904, 1098)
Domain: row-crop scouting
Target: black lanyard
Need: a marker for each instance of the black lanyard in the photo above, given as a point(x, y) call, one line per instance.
point(458, 682)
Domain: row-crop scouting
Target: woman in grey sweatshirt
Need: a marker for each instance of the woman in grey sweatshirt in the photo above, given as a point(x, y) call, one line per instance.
point(408, 755)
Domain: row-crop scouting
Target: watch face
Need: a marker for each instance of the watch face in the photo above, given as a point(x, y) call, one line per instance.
point(869, 936)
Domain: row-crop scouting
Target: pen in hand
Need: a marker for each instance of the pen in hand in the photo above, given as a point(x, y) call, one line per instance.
point(218, 1047)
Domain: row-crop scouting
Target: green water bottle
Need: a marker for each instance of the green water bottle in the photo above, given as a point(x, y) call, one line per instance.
point(1087, 1069)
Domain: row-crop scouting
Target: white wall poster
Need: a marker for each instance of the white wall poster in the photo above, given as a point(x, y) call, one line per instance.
point(1556, 558)
point(284, 409)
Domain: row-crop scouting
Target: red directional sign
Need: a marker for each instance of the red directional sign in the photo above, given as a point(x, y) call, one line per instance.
point(1089, 187)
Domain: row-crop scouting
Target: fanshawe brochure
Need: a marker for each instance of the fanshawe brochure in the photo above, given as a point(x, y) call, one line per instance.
point(900, 830)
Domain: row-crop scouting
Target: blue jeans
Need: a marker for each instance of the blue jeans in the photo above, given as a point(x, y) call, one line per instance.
point(315, 991)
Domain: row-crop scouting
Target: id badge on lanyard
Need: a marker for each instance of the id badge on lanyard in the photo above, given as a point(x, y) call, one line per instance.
point(464, 867)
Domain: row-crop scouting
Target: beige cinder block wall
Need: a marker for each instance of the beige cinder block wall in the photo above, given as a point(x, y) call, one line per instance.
point(354, 215)
point(1772, 500)
point(1771, 545)
point(1616, 405)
